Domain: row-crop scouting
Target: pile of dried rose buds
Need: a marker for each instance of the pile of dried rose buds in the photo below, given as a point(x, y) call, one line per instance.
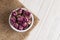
point(21, 19)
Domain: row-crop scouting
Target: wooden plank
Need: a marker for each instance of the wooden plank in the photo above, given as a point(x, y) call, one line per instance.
point(33, 5)
point(58, 38)
point(43, 9)
point(48, 28)
point(44, 27)
point(51, 25)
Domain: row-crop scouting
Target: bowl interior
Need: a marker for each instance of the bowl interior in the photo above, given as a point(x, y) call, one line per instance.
point(17, 29)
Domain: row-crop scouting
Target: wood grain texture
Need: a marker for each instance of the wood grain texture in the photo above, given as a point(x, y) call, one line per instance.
point(49, 26)
point(6, 33)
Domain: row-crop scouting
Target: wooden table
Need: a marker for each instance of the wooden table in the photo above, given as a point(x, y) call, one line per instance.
point(48, 11)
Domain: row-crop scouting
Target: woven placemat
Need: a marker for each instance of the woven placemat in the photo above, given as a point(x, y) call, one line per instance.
point(6, 33)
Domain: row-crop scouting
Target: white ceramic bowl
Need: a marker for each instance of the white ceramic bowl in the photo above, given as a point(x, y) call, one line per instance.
point(25, 29)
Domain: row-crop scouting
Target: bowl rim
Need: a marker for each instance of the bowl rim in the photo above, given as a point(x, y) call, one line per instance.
point(25, 29)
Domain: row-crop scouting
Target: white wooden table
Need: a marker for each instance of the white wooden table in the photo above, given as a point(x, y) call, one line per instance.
point(48, 11)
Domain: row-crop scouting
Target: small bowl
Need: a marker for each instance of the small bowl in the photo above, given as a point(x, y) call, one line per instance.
point(25, 29)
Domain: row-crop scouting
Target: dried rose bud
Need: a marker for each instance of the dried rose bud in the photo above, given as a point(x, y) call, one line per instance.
point(20, 22)
point(23, 11)
point(19, 11)
point(29, 22)
point(26, 27)
point(25, 24)
point(27, 13)
point(20, 27)
point(15, 25)
point(14, 13)
point(25, 19)
point(13, 19)
point(20, 18)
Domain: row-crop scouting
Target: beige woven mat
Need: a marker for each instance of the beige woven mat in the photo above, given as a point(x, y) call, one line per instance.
point(6, 33)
